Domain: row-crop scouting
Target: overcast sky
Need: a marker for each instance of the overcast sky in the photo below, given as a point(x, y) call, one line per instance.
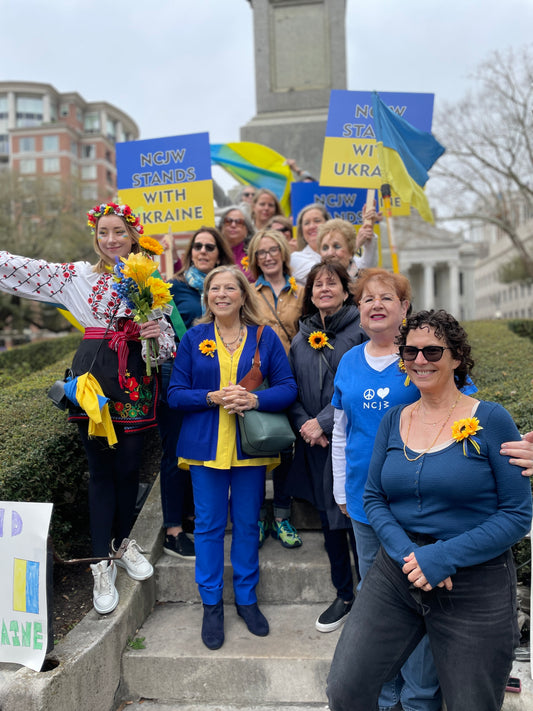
point(185, 66)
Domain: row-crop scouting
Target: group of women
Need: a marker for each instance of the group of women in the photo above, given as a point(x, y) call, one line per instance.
point(430, 517)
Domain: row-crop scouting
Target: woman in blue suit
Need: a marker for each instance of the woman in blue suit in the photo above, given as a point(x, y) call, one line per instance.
point(212, 358)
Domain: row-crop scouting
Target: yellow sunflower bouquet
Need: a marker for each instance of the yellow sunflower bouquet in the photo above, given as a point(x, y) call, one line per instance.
point(146, 295)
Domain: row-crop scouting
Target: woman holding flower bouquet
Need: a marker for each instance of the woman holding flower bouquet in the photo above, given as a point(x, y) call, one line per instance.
point(446, 507)
point(329, 327)
point(213, 357)
point(117, 350)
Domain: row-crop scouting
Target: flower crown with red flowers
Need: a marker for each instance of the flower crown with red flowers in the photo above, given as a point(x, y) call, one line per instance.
point(107, 208)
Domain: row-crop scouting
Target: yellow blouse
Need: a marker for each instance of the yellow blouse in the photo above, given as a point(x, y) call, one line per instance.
point(227, 425)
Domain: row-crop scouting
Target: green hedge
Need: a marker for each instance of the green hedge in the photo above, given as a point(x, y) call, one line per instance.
point(18, 362)
point(522, 327)
point(41, 456)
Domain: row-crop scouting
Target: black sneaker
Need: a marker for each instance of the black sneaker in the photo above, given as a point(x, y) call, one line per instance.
point(180, 546)
point(334, 616)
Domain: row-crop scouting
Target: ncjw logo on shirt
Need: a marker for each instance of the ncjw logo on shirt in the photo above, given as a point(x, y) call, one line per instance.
point(375, 399)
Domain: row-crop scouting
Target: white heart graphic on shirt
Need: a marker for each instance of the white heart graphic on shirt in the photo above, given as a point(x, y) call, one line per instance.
point(383, 392)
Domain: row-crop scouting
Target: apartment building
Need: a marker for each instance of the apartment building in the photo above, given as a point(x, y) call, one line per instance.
point(60, 135)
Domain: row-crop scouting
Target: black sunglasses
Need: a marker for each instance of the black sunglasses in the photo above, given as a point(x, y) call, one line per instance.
point(197, 246)
point(431, 353)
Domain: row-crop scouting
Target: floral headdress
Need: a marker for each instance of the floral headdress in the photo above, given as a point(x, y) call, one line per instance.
point(111, 208)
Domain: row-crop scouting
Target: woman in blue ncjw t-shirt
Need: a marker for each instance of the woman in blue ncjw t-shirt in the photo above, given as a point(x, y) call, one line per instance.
point(369, 382)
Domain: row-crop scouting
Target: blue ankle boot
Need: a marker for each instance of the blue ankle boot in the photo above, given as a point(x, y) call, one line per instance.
point(255, 620)
point(213, 625)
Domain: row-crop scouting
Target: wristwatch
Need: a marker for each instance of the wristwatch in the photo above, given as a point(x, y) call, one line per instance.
point(210, 402)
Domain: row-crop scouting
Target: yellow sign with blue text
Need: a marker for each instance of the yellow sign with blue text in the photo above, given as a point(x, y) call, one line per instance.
point(350, 157)
point(167, 181)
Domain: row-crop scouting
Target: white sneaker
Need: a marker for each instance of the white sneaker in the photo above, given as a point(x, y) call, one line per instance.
point(105, 594)
point(135, 563)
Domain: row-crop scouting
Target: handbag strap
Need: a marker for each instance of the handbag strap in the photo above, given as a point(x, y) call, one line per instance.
point(328, 364)
point(254, 377)
point(267, 302)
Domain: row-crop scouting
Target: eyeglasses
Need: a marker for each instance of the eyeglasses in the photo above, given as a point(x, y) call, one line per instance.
point(234, 221)
point(431, 353)
point(287, 230)
point(262, 253)
point(248, 194)
point(197, 246)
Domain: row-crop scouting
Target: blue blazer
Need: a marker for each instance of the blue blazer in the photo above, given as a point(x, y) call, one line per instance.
point(195, 374)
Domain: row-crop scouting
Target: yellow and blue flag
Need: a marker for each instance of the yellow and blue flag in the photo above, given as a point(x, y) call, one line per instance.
point(257, 165)
point(405, 156)
point(26, 586)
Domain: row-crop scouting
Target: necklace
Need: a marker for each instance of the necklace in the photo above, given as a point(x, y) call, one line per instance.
point(239, 337)
point(452, 408)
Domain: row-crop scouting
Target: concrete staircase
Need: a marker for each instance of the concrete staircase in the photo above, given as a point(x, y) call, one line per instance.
point(285, 670)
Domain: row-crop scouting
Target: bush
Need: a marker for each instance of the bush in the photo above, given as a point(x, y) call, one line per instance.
point(522, 327)
point(18, 362)
point(41, 455)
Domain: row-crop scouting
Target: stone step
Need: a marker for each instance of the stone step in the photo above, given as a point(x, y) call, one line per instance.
point(289, 666)
point(287, 575)
point(148, 705)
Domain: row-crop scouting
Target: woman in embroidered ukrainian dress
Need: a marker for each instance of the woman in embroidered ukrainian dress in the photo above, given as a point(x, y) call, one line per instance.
point(116, 359)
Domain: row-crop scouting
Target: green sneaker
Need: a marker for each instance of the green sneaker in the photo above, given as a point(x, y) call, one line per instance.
point(263, 532)
point(286, 533)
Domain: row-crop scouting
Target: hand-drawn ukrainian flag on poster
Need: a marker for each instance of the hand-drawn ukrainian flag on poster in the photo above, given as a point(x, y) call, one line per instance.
point(350, 157)
point(23, 571)
point(167, 181)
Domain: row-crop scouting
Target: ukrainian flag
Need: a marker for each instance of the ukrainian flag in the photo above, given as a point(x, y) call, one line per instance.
point(405, 156)
point(26, 586)
point(257, 165)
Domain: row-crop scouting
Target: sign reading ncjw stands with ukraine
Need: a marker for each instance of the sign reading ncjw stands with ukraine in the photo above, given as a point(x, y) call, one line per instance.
point(350, 157)
point(167, 181)
point(23, 610)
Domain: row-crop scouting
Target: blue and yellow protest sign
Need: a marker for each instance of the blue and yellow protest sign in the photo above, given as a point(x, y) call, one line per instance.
point(23, 605)
point(168, 181)
point(350, 157)
point(344, 203)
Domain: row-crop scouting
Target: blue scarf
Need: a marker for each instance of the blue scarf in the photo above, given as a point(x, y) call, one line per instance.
point(195, 279)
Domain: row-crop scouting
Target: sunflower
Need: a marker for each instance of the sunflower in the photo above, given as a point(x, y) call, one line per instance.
point(207, 347)
point(464, 431)
point(160, 291)
point(245, 262)
point(151, 246)
point(318, 340)
point(292, 286)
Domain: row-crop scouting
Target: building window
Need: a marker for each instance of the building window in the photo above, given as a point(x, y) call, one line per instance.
point(88, 150)
point(88, 172)
point(29, 110)
point(89, 192)
point(64, 110)
point(3, 107)
point(74, 148)
point(50, 144)
point(4, 143)
point(79, 115)
point(108, 157)
point(111, 131)
point(27, 167)
point(92, 123)
point(51, 165)
point(27, 144)
point(109, 177)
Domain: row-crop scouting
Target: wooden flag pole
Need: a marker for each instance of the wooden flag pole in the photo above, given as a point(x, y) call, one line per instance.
point(386, 195)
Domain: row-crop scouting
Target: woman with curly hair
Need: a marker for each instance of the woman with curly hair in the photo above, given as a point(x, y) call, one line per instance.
point(446, 507)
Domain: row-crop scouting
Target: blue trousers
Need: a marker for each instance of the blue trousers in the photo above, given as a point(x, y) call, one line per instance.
point(417, 685)
point(243, 487)
point(176, 488)
point(472, 630)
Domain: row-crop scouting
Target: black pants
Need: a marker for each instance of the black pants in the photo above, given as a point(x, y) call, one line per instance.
point(113, 485)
